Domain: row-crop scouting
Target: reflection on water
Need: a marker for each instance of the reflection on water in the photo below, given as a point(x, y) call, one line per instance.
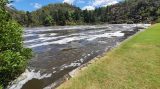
point(58, 50)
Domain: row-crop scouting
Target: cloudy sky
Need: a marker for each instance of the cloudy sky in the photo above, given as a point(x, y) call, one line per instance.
point(31, 5)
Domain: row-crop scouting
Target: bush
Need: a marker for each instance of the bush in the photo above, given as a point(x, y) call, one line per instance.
point(0, 86)
point(158, 20)
point(130, 22)
point(13, 56)
point(11, 64)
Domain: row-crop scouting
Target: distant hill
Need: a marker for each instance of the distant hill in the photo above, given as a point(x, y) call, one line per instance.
point(128, 11)
point(55, 14)
point(134, 11)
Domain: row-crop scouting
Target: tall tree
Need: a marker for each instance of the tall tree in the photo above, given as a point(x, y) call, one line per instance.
point(29, 18)
point(61, 18)
point(49, 21)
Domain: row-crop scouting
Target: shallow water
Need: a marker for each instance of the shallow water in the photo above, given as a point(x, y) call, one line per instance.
point(58, 50)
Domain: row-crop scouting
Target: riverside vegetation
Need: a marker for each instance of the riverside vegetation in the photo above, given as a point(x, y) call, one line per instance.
point(13, 56)
point(126, 11)
point(135, 64)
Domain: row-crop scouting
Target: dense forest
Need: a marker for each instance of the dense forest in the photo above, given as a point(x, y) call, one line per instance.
point(128, 11)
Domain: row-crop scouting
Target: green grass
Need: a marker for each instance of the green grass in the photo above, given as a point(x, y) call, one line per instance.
point(135, 64)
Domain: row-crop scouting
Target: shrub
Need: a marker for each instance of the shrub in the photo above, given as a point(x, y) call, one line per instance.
point(13, 56)
point(0, 86)
point(158, 20)
point(11, 64)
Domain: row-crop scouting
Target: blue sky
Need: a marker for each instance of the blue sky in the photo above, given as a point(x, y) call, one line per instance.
point(31, 5)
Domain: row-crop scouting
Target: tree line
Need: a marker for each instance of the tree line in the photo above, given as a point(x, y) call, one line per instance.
point(128, 11)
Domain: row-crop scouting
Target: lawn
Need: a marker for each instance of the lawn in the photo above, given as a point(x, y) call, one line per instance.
point(135, 64)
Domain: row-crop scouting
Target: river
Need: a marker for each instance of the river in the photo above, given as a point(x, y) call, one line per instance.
point(60, 49)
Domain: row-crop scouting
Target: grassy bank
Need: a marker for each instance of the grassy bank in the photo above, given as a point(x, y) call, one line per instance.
point(135, 64)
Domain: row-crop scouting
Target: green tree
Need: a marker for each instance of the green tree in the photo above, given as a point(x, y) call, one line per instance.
point(13, 56)
point(158, 12)
point(67, 16)
point(85, 16)
point(29, 18)
point(48, 21)
point(76, 15)
point(61, 18)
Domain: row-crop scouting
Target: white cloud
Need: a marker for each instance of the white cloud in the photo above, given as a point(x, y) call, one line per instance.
point(88, 8)
point(104, 2)
point(80, 1)
point(111, 3)
point(99, 3)
point(68, 1)
point(9, 5)
point(36, 5)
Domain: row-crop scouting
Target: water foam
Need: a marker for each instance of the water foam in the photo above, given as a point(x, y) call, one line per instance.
point(108, 35)
point(25, 77)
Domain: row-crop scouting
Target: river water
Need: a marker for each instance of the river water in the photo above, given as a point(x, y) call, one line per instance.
point(58, 50)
